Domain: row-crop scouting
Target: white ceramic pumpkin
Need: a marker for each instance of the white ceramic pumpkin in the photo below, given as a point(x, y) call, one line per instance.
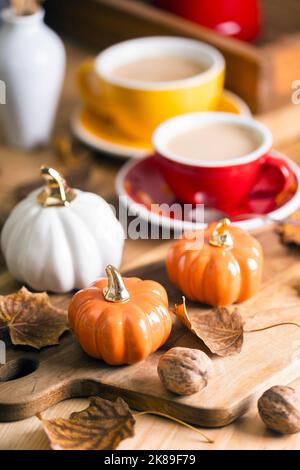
point(59, 239)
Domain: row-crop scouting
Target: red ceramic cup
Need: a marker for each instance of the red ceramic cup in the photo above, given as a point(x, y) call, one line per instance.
point(236, 18)
point(221, 184)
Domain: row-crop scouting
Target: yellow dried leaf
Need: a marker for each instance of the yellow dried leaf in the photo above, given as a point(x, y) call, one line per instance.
point(220, 330)
point(101, 426)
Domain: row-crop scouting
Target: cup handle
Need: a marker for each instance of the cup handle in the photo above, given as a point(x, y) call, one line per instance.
point(276, 177)
point(90, 88)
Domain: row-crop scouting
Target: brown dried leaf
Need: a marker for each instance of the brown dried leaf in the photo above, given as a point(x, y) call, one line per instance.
point(219, 329)
point(290, 232)
point(101, 426)
point(31, 319)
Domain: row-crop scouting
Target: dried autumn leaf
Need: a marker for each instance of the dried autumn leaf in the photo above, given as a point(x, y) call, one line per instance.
point(101, 426)
point(290, 232)
point(221, 331)
point(31, 319)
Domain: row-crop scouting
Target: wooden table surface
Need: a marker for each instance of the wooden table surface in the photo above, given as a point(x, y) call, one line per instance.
point(18, 172)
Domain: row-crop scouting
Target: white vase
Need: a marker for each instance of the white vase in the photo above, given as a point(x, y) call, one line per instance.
point(32, 66)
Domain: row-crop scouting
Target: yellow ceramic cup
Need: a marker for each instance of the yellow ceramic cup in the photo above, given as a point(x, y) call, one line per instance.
point(138, 107)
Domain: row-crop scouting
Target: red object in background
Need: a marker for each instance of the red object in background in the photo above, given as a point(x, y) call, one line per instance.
point(236, 18)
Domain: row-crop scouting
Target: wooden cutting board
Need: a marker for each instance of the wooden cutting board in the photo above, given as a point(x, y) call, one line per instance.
point(31, 381)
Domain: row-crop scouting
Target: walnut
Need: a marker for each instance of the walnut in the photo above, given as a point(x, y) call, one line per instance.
point(184, 371)
point(279, 408)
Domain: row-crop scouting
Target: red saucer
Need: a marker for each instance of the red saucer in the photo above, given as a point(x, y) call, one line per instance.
point(144, 186)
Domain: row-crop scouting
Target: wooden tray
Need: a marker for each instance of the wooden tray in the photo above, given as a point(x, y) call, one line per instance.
point(261, 73)
point(32, 381)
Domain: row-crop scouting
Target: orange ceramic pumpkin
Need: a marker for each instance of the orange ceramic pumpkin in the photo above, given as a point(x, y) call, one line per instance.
point(220, 268)
point(120, 320)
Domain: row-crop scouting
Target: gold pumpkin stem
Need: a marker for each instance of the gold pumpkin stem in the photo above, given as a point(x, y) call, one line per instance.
point(56, 191)
point(115, 290)
point(221, 236)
